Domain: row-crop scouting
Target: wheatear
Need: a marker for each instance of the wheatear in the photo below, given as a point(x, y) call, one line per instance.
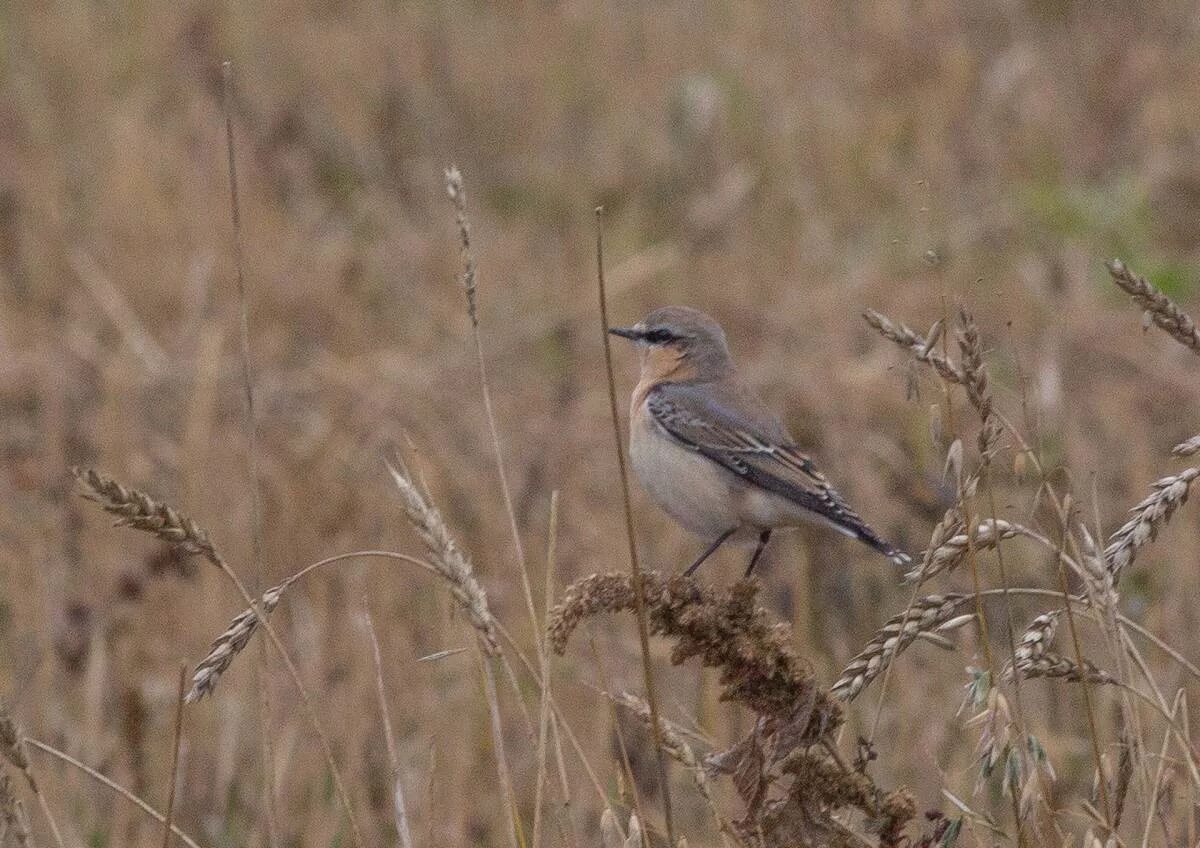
point(711, 454)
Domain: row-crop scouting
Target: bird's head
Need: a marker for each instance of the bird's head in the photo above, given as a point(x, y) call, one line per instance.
point(679, 343)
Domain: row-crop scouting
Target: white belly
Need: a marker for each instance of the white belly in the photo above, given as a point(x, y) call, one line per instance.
point(701, 495)
point(693, 490)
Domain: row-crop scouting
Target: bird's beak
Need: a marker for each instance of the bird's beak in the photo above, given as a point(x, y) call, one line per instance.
point(627, 333)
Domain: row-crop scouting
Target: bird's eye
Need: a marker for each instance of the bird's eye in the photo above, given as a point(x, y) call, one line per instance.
point(660, 337)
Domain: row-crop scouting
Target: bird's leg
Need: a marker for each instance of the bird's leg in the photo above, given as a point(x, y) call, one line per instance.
point(709, 550)
point(763, 538)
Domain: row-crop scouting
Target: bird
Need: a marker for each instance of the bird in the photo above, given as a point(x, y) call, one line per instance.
point(711, 454)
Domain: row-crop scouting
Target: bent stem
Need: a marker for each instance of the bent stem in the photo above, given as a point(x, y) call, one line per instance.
point(115, 787)
point(305, 697)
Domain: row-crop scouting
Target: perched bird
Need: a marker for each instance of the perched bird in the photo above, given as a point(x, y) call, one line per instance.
point(711, 454)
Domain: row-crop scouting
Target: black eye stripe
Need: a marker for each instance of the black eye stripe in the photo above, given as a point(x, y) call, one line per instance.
point(660, 336)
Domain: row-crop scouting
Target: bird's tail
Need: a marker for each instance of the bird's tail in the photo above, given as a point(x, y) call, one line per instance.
point(890, 551)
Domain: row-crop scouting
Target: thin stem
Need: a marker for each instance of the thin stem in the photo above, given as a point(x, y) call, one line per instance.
point(635, 565)
point(115, 787)
point(1087, 693)
point(175, 756)
point(305, 697)
point(399, 807)
point(1162, 763)
point(912, 599)
point(458, 196)
point(544, 655)
point(251, 435)
point(515, 830)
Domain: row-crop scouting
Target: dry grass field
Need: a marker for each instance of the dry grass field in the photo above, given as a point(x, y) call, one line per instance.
point(785, 167)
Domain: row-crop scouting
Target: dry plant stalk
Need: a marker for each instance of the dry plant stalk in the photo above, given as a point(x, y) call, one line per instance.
point(229, 644)
point(924, 348)
point(635, 566)
point(680, 751)
point(399, 806)
point(948, 550)
point(113, 786)
point(1162, 310)
point(454, 566)
point(931, 614)
point(243, 626)
point(13, 813)
point(250, 428)
point(1155, 510)
point(449, 561)
point(12, 748)
point(142, 512)
point(790, 794)
point(177, 740)
point(458, 196)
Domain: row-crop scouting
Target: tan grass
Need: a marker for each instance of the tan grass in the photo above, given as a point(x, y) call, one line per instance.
point(635, 566)
point(140, 511)
point(112, 785)
point(451, 563)
point(930, 614)
point(1155, 510)
point(1054, 665)
point(1161, 309)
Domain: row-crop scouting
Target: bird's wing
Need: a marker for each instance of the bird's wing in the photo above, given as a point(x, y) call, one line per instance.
point(738, 433)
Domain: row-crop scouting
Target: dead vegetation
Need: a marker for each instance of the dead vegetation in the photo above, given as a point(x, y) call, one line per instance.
point(408, 692)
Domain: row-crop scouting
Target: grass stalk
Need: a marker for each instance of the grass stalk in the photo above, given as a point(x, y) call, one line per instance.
point(1158, 776)
point(515, 828)
point(544, 655)
point(175, 743)
point(458, 196)
point(12, 746)
point(250, 426)
point(635, 565)
point(399, 807)
point(142, 512)
point(1086, 686)
point(113, 785)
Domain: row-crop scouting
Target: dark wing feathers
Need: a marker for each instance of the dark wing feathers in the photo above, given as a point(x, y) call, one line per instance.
point(753, 444)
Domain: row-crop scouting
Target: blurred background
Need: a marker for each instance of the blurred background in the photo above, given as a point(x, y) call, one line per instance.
point(781, 166)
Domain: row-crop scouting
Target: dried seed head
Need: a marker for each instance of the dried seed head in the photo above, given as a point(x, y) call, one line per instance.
point(1056, 666)
point(1155, 510)
point(1188, 448)
point(904, 337)
point(458, 196)
point(138, 510)
point(11, 745)
point(1159, 308)
point(1035, 641)
point(449, 561)
point(976, 384)
point(228, 645)
point(949, 552)
point(926, 615)
point(724, 628)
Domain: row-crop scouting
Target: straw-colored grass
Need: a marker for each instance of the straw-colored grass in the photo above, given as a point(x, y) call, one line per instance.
point(913, 164)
